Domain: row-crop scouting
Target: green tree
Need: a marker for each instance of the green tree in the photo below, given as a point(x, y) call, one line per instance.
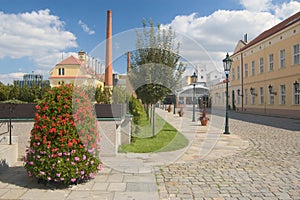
point(103, 95)
point(14, 92)
point(119, 95)
point(4, 92)
point(156, 67)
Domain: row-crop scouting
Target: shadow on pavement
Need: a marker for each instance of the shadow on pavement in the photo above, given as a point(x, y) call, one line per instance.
point(273, 121)
point(18, 177)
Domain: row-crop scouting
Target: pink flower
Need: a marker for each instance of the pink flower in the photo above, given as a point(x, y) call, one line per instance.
point(76, 159)
point(30, 163)
point(73, 180)
point(58, 175)
point(99, 167)
point(41, 172)
point(84, 157)
point(82, 172)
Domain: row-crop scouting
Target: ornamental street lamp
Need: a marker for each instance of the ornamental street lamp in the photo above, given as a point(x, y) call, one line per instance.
point(227, 65)
point(296, 87)
point(194, 80)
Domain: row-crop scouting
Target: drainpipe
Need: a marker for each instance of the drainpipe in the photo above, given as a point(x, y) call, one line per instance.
point(242, 80)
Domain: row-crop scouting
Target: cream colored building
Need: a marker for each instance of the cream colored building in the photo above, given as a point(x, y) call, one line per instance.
point(76, 71)
point(265, 70)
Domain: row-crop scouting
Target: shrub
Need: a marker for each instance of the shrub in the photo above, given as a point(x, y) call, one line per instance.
point(137, 110)
point(63, 147)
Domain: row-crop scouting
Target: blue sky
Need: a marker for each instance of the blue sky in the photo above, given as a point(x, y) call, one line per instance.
point(36, 33)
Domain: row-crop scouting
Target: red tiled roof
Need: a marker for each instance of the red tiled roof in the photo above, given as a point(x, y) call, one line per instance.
point(282, 25)
point(70, 61)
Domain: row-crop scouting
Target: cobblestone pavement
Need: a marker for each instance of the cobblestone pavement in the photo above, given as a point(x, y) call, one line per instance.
point(268, 169)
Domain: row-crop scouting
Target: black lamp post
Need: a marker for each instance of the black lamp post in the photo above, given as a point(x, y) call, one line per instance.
point(271, 89)
point(252, 91)
point(194, 80)
point(227, 65)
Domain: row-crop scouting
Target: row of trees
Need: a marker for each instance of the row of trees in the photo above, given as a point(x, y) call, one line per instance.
point(25, 93)
point(34, 93)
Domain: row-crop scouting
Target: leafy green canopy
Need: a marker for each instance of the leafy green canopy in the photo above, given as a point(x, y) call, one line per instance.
point(156, 68)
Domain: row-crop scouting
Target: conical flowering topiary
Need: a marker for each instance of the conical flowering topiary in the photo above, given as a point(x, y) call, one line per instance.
point(64, 141)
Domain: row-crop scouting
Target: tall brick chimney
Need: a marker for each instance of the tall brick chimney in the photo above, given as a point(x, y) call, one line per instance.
point(108, 58)
point(128, 62)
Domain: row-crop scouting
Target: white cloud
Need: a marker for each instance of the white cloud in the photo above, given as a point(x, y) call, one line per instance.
point(7, 78)
point(206, 39)
point(256, 5)
point(287, 9)
point(85, 28)
point(36, 35)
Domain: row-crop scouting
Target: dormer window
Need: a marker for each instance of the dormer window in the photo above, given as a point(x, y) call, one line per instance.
point(61, 71)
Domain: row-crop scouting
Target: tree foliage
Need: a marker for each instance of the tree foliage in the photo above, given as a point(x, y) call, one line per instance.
point(103, 95)
point(156, 68)
point(25, 93)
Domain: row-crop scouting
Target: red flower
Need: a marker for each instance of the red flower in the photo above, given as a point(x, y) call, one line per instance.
point(70, 144)
point(74, 141)
point(52, 130)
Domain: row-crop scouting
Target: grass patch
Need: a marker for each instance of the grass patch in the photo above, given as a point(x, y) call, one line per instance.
point(167, 138)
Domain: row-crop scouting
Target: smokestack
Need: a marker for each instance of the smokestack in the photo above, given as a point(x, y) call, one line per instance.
point(128, 62)
point(108, 61)
point(246, 38)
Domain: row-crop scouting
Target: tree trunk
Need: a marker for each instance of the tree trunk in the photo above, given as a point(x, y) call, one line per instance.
point(153, 120)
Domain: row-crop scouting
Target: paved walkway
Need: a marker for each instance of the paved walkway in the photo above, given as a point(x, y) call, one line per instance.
point(268, 169)
point(255, 162)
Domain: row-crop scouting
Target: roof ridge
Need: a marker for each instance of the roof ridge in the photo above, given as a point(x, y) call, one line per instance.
point(271, 31)
point(71, 60)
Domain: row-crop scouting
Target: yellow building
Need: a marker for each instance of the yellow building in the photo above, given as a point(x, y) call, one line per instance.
point(76, 71)
point(265, 71)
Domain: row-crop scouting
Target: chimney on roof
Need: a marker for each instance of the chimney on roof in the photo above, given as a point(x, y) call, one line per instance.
point(246, 38)
point(128, 62)
point(108, 59)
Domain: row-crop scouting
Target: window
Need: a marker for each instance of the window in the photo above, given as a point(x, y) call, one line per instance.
point(261, 65)
point(282, 94)
point(232, 74)
point(246, 96)
point(271, 62)
point(61, 71)
point(238, 73)
point(253, 98)
point(271, 98)
point(282, 58)
point(246, 70)
point(296, 54)
point(253, 68)
point(296, 97)
point(261, 93)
